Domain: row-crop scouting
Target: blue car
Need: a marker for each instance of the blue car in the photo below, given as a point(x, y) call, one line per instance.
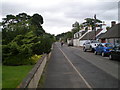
point(103, 49)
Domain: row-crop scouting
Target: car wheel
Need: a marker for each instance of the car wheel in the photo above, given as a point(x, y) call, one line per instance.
point(110, 57)
point(91, 49)
point(103, 54)
point(95, 53)
point(84, 49)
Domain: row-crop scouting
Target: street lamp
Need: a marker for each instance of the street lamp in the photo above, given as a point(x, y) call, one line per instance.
point(95, 25)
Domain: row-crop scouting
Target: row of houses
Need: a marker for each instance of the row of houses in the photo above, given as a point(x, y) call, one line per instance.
point(101, 34)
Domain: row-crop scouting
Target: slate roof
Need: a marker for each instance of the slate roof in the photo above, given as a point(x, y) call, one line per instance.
point(90, 35)
point(100, 35)
point(114, 32)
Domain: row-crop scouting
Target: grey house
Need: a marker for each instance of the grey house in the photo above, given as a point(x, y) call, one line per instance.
point(112, 35)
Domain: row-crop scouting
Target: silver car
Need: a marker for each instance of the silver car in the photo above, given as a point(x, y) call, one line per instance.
point(90, 45)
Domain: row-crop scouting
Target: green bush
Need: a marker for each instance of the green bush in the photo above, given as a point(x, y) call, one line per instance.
point(35, 58)
point(16, 54)
point(24, 38)
point(26, 50)
point(20, 60)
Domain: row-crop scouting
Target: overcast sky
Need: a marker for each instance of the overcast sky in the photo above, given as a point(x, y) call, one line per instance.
point(59, 15)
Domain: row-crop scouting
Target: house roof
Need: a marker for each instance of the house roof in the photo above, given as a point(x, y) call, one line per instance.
point(113, 32)
point(90, 35)
point(100, 35)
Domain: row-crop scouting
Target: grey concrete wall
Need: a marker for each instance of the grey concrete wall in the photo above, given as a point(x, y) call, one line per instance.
point(32, 79)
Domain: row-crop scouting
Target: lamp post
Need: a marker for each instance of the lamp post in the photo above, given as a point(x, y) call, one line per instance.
point(95, 25)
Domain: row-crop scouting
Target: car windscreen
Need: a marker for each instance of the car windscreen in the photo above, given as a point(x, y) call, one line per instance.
point(108, 45)
point(117, 47)
point(94, 41)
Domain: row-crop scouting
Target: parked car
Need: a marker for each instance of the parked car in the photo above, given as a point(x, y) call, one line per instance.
point(90, 45)
point(103, 49)
point(115, 53)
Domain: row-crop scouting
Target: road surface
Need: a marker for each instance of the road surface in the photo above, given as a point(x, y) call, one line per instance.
point(70, 67)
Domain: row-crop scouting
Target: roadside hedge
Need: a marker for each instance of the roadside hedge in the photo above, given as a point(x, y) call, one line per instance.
point(23, 37)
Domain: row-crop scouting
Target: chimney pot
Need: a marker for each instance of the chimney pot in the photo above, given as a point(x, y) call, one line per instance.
point(113, 23)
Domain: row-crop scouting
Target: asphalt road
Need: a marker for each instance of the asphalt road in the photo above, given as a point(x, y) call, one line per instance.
point(70, 67)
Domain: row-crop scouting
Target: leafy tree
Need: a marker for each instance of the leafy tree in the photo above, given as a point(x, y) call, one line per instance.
point(107, 28)
point(64, 36)
point(69, 35)
point(37, 20)
point(76, 27)
point(23, 37)
point(89, 22)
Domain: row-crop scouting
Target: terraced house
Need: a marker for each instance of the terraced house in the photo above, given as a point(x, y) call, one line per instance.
point(113, 34)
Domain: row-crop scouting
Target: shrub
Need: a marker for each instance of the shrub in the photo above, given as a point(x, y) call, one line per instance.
point(20, 60)
point(15, 61)
point(34, 58)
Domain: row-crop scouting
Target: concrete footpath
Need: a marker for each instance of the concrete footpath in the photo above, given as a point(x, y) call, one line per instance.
point(60, 73)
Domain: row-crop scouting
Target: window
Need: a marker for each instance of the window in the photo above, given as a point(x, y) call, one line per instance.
point(94, 41)
point(117, 47)
point(108, 45)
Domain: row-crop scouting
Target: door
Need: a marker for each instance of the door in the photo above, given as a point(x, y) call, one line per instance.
point(101, 48)
point(88, 45)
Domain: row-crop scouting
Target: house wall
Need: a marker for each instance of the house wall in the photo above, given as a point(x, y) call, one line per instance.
point(110, 41)
point(102, 40)
point(82, 42)
point(113, 40)
point(76, 42)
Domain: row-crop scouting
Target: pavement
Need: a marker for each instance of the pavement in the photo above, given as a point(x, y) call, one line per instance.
point(70, 67)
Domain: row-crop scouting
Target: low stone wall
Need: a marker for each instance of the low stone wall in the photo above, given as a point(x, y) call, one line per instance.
point(32, 79)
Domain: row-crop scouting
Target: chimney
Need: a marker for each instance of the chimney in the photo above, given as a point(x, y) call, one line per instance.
point(113, 23)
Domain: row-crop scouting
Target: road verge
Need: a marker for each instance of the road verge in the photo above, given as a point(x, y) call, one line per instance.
point(33, 77)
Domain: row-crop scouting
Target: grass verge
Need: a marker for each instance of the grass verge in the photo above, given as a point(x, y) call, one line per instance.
point(12, 76)
point(0, 76)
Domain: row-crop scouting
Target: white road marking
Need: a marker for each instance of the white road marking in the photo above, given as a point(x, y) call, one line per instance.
point(87, 84)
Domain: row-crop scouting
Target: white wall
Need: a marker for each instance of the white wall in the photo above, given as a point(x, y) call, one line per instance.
point(82, 42)
point(76, 42)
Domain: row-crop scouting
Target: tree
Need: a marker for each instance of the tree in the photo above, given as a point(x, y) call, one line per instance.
point(37, 20)
point(107, 28)
point(69, 34)
point(81, 26)
point(23, 36)
point(76, 27)
point(89, 22)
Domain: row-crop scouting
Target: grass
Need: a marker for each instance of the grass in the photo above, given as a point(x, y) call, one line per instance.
point(0, 76)
point(12, 76)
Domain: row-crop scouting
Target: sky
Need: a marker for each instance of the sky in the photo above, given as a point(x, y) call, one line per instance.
point(59, 15)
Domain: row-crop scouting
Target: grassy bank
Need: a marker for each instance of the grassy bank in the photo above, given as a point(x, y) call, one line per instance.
point(0, 76)
point(12, 76)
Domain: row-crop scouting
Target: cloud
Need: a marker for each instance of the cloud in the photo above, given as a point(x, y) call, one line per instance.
point(59, 15)
point(13, 8)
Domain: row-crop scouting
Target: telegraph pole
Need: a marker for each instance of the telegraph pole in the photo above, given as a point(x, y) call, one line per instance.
point(95, 25)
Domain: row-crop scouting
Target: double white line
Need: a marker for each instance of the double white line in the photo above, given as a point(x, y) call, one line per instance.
point(87, 84)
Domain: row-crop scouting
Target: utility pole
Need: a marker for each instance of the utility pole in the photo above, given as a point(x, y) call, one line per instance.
point(95, 25)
